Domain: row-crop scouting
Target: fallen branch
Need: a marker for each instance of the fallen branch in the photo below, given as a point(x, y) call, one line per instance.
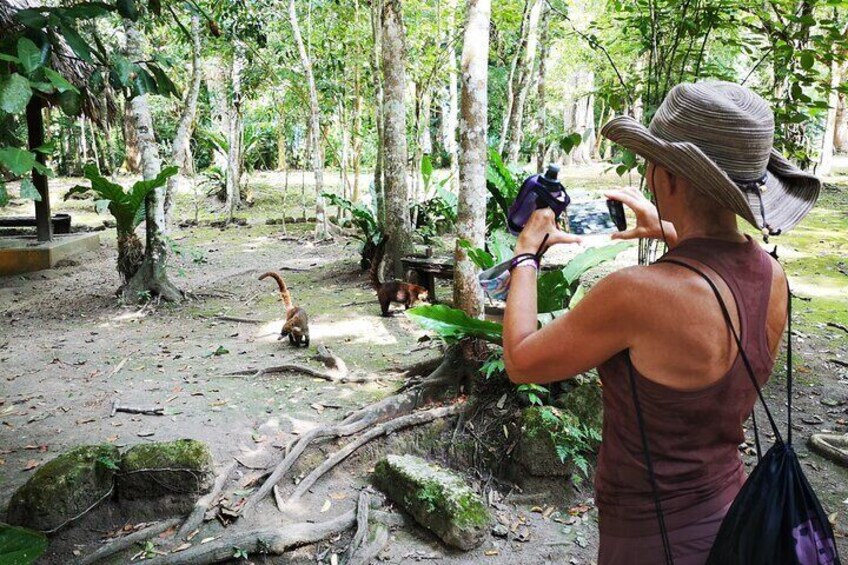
point(125, 542)
point(363, 506)
point(357, 303)
point(269, 541)
point(195, 519)
point(369, 552)
point(837, 326)
point(241, 320)
point(385, 428)
point(147, 411)
point(839, 362)
point(294, 368)
point(118, 367)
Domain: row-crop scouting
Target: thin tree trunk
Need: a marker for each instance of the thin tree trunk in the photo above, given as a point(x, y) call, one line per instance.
point(840, 142)
point(510, 83)
point(321, 228)
point(94, 148)
point(219, 115)
point(541, 118)
point(379, 201)
point(234, 135)
point(357, 137)
point(397, 227)
point(83, 140)
point(452, 147)
point(471, 217)
point(151, 278)
point(132, 156)
point(180, 154)
point(525, 71)
point(828, 140)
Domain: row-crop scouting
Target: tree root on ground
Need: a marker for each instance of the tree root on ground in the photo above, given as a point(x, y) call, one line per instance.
point(295, 368)
point(369, 552)
point(378, 430)
point(128, 541)
point(195, 519)
point(267, 541)
point(363, 507)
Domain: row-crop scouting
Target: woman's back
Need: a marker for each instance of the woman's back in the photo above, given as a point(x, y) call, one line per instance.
point(693, 389)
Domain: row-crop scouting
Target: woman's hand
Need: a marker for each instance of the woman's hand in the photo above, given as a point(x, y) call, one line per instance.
point(540, 224)
point(647, 217)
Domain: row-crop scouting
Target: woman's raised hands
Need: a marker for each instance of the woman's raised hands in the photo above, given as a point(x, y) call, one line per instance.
point(647, 217)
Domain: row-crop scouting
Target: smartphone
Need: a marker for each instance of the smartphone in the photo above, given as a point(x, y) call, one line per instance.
point(596, 216)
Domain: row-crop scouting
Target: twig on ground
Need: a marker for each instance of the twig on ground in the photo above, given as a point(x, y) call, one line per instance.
point(294, 368)
point(363, 506)
point(837, 326)
point(357, 303)
point(839, 362)
point(125, 542)
point(297, 269)
point(241, 320)
point(145, 410)
point(369, 552)
point(118, 367)
point(278, 498)
point(195, 519)
point(378, 430)
point(268, 541)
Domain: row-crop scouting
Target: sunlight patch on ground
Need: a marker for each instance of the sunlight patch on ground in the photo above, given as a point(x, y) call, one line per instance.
point(360, 330)
point(269, 331)
point(817, 289)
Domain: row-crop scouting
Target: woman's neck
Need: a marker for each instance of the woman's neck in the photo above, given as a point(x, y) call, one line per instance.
point(720, 224)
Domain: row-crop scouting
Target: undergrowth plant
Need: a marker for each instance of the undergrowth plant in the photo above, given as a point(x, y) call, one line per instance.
point(365, 221)
point(128, 209)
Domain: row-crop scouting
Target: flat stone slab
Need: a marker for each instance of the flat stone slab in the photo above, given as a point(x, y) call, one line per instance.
point(24, 254)
point(153, 470)
point(438, 499)
point(65, 488)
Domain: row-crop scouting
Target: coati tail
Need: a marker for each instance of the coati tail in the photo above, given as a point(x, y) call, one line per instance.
point(376, 262)
point(284, 291)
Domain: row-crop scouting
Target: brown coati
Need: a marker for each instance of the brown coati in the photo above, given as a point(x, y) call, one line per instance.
point(393, 291)
point(296, 327)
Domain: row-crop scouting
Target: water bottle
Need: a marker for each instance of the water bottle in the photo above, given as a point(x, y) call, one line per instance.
point(537, 191)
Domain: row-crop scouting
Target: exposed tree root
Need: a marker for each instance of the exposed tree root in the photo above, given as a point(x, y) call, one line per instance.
point(333, 363)
point(295, 368)
point(363, 507)
point(268, 541)
point(128, 541)
point(241, 320)
point(195, 519)
point(369, 552)
point(150, 281)
point(378, 430)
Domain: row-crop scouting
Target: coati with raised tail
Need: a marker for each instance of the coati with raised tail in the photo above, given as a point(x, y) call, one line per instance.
point(393, 291)
point(296, 327)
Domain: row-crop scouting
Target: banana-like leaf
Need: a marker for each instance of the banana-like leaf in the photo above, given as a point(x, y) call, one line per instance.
point(481, 259)
point(20, 545)
point(591, 258)
point(452, 324)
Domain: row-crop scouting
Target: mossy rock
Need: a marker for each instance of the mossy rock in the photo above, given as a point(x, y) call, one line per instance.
point(152, 470)
point(64, 488)
point(536, 451)
point(584, 401)
point(438, 499)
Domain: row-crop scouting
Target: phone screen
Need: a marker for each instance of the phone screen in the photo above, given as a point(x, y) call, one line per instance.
point(596, 216)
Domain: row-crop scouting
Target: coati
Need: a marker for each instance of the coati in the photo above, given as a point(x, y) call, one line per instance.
point(296, 327)
point(393, 291)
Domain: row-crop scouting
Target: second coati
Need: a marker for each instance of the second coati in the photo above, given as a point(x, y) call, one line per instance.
point(400, 292)
point(296, 326)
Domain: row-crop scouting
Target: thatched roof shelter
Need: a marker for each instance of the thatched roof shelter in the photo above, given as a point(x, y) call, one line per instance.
point(100, 108)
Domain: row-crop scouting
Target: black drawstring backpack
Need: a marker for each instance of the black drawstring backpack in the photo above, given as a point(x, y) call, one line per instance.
point(776, 518)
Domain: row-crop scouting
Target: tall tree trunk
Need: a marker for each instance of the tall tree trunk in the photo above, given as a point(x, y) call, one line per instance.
point(514, 131)
point(95, 150)
point(216, 85)
point(829, 137)
point(321, 227)
point(378, 196)
point(840, 141)
point(471, 216)
point(151, 278)
point(397, 227)
point(452, 147)
point(541, 117)
point(180, 150)
point(357, 137)
point(132, 158)
point(234, 136)
point(510, 82)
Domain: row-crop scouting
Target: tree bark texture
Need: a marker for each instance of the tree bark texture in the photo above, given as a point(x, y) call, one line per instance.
point(235, 133)
point(321, 227)
point(471, 220)
point(524, 71)
point(151, 279)
point(180, 152)
point(397, 225)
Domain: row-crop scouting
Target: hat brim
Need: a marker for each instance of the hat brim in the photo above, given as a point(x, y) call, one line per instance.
point(789, 192)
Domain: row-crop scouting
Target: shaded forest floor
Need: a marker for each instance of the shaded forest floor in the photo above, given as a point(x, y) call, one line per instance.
point(68, 348)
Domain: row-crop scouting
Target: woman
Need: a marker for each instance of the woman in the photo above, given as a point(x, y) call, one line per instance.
point(710, 159)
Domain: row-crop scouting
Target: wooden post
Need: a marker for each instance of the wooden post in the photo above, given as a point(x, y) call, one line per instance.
point(35, 133)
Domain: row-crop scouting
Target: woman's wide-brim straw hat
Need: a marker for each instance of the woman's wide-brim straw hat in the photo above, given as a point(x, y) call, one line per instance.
point(720, 136)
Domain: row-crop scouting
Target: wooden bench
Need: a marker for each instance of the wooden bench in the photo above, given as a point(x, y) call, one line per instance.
point(61, 222)
point(428, 269)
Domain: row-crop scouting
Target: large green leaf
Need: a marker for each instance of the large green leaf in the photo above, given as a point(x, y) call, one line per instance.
point(127, 9)
point(481, 258)
point(20, 546)
point(71, 102)
point(4, 196)
point(32, 18)
point(75, 40)
point(165, 86)
point(452, 324)
point(61, 83)
point(591, 258)
point(552, 292)
point(29, 54)
point(501, 245)
point(88, 10)
point(142, 188)
point(426, 170)
point(17, 161)
point(29, 191)
point(15, 93)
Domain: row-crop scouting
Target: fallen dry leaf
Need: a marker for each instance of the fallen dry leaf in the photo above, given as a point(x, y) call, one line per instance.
point(112, 439)
point(31, 464)
point(338, 495)
point(182, 547)
point(326, 506)
point(491, 553)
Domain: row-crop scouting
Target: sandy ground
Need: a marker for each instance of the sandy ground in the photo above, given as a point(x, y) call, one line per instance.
point(68, 348)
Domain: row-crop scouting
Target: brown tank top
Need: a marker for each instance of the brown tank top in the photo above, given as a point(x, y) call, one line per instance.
point(694, 436)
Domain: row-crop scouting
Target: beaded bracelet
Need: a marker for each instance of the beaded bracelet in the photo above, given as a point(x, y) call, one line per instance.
point(524, 258)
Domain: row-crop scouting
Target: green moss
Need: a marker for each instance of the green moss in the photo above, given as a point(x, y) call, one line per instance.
point(179, 454)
